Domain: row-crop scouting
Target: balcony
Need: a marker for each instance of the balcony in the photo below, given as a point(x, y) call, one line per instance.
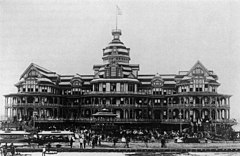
point(115, 105)
point(175, 121)
point(115, 93)
point(225, 121)
point(35, 105)
point(197, 105)
point(117, 120)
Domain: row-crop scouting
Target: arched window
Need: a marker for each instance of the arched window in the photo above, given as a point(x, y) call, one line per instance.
point(76, 83)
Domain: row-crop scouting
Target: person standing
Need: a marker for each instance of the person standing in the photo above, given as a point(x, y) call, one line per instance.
point(5, 150)
point(48, 146)
point(12, 149)
point(84, 142)
point(99, 140)
point(81, 142)
point(146, 140)
point(124, 141)
point(115, 139)
point(43, 151)
point(127, 141)
point(163, 142)
point(71, 142)
point(93, 141)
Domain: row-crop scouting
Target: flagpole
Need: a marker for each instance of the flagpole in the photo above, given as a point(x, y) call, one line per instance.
point(116, 17)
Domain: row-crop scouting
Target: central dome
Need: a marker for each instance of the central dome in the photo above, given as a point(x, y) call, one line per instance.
point(116, 50)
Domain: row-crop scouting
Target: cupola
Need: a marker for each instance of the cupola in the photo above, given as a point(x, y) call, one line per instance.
point(116, 50)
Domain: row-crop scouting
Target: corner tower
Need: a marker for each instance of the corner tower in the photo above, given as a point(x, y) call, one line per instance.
point(116, 50)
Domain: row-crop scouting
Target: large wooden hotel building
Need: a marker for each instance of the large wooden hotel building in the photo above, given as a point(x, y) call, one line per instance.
point(187, 98)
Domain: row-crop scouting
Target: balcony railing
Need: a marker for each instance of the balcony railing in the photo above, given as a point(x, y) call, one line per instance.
point(206, 105)
point(117, 120)
point(116, 105)
point(35, 105)
point(155, 105)
point(116, 92)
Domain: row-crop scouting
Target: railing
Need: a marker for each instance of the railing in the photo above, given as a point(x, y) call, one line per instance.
point(225, 121)
point(36, 105)
point(196, 105)
point(117, 120)
point(116, 105)
point(116, 92)
point(155, 105)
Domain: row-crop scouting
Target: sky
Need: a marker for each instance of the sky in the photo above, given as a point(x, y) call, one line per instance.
point(165, 36)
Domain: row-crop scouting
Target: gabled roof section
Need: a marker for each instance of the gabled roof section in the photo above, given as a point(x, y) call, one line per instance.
point(157, 77)
point(40, 69)
point(76, 77)
point(197, 64)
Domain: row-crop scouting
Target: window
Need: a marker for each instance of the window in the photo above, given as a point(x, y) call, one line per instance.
point(113, 87)
point(157, 101)
point(44, 89)
point(36, 99)
point(32, 73)
point(76, 83)
point(104, 87)
point(96, 87)
point(113, 71)
point(198, 71)
point(36, 88)
point(191, 88)
point(157, 91)
point(29, 85)
point(213, 89)
point(121, 101)
point(131, 87)
point(119, 72)
point(107, 72)
point(122, 87)
point(198, 82)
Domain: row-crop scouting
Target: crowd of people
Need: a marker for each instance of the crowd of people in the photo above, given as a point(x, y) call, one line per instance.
point(125, 136)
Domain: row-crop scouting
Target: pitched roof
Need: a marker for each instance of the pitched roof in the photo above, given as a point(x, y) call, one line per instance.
point(195, 65)
point(40, 69)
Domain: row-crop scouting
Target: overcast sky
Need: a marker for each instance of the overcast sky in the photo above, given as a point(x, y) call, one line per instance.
point(67, 36)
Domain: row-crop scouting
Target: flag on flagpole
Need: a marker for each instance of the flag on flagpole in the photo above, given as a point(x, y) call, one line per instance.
point(119, 12)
